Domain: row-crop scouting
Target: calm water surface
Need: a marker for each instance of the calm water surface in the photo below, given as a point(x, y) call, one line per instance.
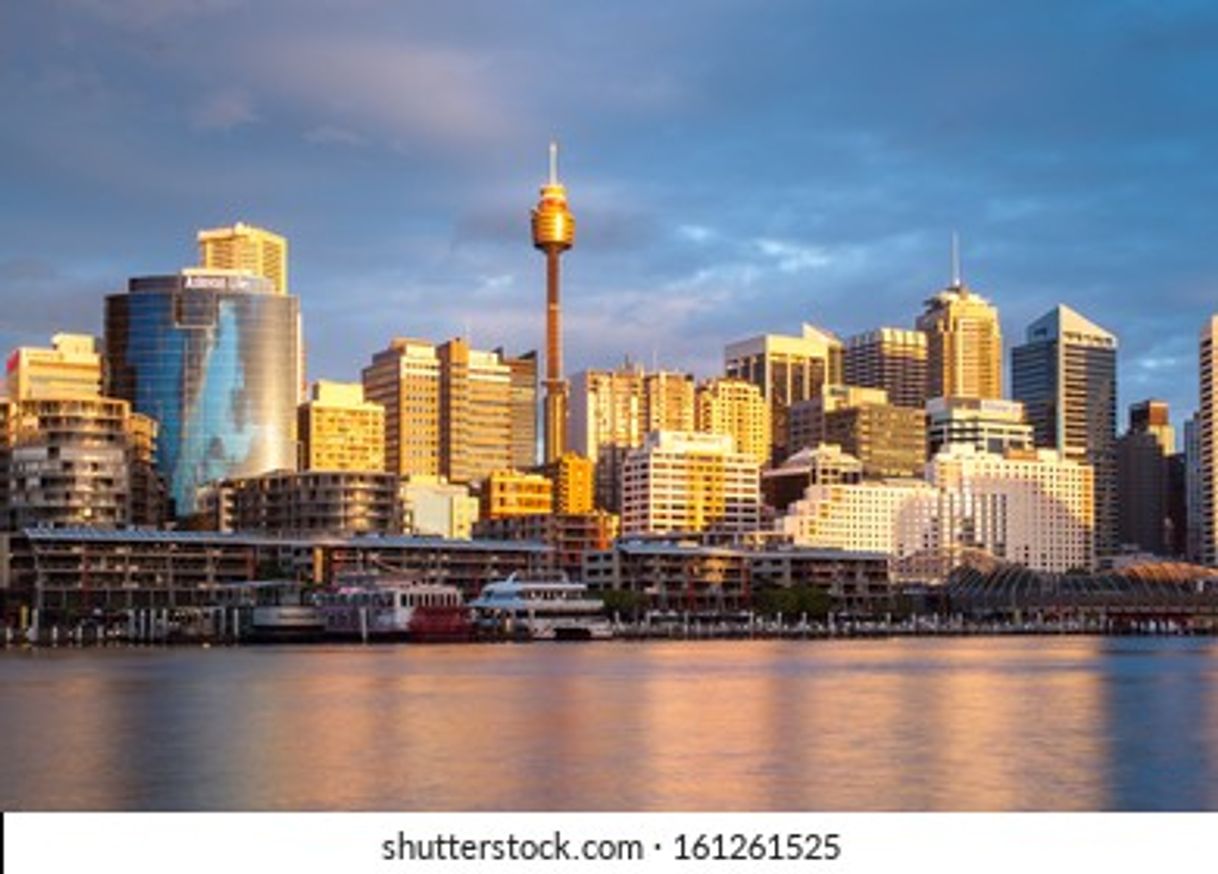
point(955, 724)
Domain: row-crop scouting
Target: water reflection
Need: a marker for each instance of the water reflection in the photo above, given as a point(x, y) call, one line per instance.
point(964, 724)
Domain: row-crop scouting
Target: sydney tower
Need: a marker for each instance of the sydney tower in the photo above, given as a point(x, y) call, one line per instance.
point(553, 234)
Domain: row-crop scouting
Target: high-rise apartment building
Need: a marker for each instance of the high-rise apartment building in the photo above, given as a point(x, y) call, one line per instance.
point(825, 464)
point(990, 425)
point(963, 344)
point(214, 357)
point(1065, 375)
point(736, 408)
point(335, 503)
point(893, 359)
point(71, 368)
point(1207, 444)
point(339, 430)
point(787, 370)
point(77, 462)
point(668, 401)
point(1142, 478)
point(689, 482)
point(607, 409)
point(246, 248)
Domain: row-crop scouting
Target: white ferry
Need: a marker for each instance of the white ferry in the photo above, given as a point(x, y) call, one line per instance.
point(282, 611)
point(541, 610)
point(385, 608)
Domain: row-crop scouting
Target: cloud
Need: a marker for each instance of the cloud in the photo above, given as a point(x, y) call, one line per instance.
point(325, 135)
point(223, 110)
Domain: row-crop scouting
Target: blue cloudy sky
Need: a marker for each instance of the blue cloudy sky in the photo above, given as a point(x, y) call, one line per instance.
point(735, 166)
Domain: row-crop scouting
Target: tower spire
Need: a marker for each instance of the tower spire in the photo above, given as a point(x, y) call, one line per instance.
point(553, 162)
point(956, 280)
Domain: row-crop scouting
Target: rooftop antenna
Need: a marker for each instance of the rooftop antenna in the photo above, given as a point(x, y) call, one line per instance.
point(956, 282)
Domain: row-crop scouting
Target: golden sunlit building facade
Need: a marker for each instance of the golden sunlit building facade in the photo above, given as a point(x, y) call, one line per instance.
point(574, 479)
point(508, 493)
point(963, 344)
point(339, 430)
point(736, 408)
point(246, 248)
point(71, 368)
point(689, 482)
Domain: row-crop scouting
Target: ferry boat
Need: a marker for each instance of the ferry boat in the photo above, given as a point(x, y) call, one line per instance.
point(282, 611)
point(380, 608)
point(541, 610)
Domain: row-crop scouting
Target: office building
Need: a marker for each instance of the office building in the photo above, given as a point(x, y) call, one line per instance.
point(71, 368)
point(991, 425)
point(893, 359)
point(1192, 486)
point(890, 441)
point(787, 370)
point(1142, 478)
point(963, 343)
point(248, 249)
point(523, 404)
point(214, 358)
point(736, 408)
point(1065, 375)
point(825, 464)
point(339, 430)
point(574, 479)
point(449, 409)
point(475, 412)
point(513, 493)
point(405, 380)
point(689, 482)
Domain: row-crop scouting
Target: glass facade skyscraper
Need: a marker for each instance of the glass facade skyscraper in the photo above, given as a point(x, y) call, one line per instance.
point(214, 357)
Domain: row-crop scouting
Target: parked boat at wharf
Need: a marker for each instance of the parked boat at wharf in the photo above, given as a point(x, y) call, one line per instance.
point(387, 608)
point(540, 610)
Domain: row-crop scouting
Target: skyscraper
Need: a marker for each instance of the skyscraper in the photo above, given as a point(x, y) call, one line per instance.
point(405, 379)
point(214, 357)
point(787, 370)
point(524, 407)
point(963, 342)
point(448, 408)
point(247, 248)
point(893, 359)
point(553, 234)
point(1207, 442)
point(1065, 375)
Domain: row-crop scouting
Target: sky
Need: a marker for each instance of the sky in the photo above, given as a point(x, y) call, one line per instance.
point(734, 167)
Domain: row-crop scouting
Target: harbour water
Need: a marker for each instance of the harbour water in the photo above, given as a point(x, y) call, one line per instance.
point(1025, 723)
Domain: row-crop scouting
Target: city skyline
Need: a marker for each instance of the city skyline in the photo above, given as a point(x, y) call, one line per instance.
point(407, 202)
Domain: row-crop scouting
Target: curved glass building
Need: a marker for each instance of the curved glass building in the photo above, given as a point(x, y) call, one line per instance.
point(214, 357)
